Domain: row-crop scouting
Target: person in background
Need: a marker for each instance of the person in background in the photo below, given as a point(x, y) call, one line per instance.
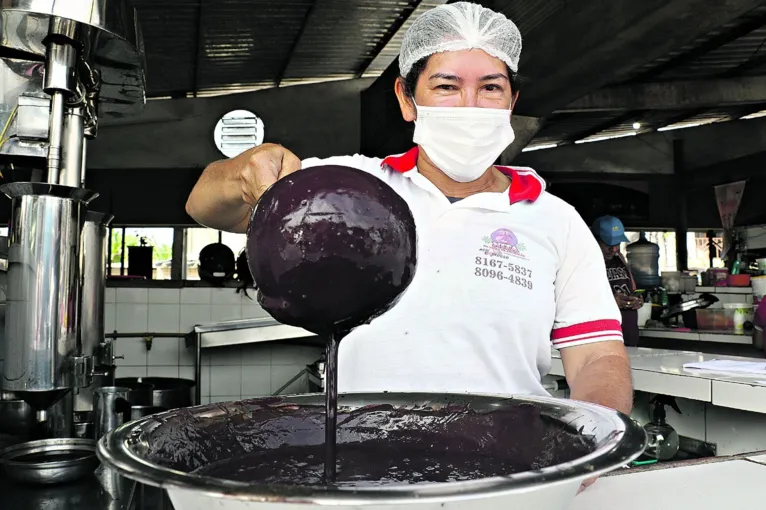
point(610, 233)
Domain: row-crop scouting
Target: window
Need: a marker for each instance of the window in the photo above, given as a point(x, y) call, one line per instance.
point(198, 238)
point(697, 246)
point(160, 239)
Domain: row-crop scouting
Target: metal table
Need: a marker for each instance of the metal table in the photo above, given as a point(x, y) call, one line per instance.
point(239, 332)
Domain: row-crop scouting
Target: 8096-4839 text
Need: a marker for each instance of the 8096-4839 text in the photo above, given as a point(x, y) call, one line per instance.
point(501, 270)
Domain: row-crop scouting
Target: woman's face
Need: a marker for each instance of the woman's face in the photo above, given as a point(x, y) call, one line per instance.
point(460, 78)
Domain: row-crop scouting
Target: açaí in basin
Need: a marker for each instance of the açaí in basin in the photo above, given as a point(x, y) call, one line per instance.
point(548, 445)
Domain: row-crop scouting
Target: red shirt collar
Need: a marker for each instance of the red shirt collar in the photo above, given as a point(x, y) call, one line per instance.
point(526, 185)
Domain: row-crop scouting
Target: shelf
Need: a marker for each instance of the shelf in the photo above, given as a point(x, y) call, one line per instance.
point(248, 331)
point(724, 290)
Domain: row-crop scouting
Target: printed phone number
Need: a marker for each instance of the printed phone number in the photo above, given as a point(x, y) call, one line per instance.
point(502, 265)
point(513, 273)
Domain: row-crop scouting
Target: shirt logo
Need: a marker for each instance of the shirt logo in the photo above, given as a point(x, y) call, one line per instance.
point(503, 242)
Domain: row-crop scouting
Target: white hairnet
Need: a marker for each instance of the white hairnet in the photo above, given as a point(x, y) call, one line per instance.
point(460, 26)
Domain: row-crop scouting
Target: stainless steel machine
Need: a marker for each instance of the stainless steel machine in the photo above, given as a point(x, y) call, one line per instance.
point(64, 65)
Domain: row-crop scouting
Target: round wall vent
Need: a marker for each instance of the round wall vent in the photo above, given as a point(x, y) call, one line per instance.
point(238, 131)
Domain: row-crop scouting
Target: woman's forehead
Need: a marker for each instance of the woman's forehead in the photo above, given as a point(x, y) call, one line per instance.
point(465, 64)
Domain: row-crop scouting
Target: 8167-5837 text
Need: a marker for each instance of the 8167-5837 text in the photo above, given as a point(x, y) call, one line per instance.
point(502, 270)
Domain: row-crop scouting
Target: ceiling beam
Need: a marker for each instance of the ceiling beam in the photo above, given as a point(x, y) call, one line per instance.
point(296, 42)
point(525, 129)
point(599, 128)
point(568, 56)
point(198, 49)
point(674, 95)
point(389, 52)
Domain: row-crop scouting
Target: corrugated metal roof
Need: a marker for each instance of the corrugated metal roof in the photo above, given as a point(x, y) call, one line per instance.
point(742, 40)
point(247, 42)
point(735, 49)
point(342, 37)
point(215, 46)
point(225, 46)
point(169, 28)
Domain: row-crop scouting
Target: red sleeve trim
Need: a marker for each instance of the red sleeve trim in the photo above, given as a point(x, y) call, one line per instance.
point(587, 332)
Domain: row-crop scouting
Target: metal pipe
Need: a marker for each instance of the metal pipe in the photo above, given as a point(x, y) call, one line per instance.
point(72, 161)
point(198, 370)
point(93, 261)
point(145, 335)
point(84, 159)
point(55, 137)
point(122, 253)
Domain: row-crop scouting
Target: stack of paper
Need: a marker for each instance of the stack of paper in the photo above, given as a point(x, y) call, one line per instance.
point(728, 367)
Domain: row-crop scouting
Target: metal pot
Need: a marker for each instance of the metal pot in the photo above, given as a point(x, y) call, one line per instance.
point(167, 392)
point(127, 450)
point(138, 412)
point(140, 392)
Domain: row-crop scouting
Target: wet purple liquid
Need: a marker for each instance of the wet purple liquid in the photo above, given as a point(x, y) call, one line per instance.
point(382, 445)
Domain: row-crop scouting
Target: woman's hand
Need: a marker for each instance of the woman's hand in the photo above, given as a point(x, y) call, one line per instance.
point(264, 166)
point(227, 190)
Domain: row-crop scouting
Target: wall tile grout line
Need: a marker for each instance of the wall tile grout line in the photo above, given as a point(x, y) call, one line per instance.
point(246, 371)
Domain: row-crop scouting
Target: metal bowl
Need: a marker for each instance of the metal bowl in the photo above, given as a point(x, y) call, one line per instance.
point(618, 440)
point(50, 461)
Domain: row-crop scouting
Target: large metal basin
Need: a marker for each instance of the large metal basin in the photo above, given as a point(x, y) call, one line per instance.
point(209, 433)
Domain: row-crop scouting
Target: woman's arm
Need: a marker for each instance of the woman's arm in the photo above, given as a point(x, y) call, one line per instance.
point(587, 327)
point(228, 189)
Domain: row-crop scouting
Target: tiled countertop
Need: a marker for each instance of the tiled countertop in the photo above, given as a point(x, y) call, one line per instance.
point(698, 336)
point(661, 371)
point(728, 483)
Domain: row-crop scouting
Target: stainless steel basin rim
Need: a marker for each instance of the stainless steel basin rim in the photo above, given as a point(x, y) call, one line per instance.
point(622, 441)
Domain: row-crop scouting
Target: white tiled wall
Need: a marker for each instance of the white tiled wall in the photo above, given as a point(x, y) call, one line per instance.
point(732, 431)
point(228, 373)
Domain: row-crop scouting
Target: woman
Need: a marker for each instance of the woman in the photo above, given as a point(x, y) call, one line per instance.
point(610, 233)
point(505, 269)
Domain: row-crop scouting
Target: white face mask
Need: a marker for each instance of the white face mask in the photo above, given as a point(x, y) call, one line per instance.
point(463, 141)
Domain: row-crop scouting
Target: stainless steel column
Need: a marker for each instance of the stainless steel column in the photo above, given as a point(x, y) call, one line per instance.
point(72, 153)
point(42, 311)
point(94, 255)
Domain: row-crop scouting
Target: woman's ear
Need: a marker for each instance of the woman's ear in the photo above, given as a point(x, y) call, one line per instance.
point(406, 103)
point(513, 100)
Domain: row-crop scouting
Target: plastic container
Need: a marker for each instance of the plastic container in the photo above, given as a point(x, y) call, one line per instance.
point(759, 287)
point(671, 281)
point(761, 265)
point(739, 280)
point(718, 277)
point(738, 315)
point(644, 261)
point(711, 319)
point(688, 284)
point(644, 314)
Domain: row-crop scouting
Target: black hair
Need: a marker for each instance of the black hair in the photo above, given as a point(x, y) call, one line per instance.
point(411, 80)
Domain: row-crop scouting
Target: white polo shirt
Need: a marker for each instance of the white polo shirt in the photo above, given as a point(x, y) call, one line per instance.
point(500, 277)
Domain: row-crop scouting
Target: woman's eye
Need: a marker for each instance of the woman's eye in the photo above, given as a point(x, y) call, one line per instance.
point(446, 87)
point(493, 88)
